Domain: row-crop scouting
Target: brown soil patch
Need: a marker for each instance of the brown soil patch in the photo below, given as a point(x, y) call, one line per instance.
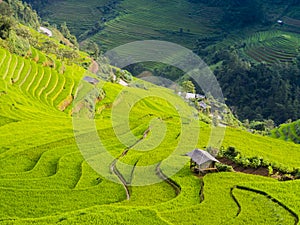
point(65, 103)
point(94, 67)
point(262, 171)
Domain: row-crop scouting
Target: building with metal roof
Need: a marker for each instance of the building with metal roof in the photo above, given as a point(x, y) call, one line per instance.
point(202, 160)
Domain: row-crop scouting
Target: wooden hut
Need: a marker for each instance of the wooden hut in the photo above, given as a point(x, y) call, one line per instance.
point(91, 80)
point(202, 161)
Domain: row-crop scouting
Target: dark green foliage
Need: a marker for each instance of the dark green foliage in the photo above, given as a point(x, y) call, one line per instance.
point(256, 162)
point(5, 10)
point(22, 12)
point(122, 74)
point(66, 32)
point(258, 91)
point(223, 168)
point(91, 48)
point(243, 13)
point(188, 86)
point(38, 4)
point(6, 24)
point(230, 152)
point(157, 69)
point(257, 125)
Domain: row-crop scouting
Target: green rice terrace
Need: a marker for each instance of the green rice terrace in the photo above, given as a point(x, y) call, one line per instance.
point(272, 46)
point(112, 23)
point(44, 178)
point(288, 132)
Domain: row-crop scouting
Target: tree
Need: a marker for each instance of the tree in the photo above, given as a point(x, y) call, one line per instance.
point(6, 24)
point(188, 86)
point(50, 46)
point(270, 125)
point(66, 32)
point(93, 49)
point(5, 10)
point(243, 13)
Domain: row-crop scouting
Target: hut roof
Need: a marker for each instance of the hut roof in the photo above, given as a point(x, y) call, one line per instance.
point(91, 80)
point(46, 31)
point(203, 105)
point(190, 95)
point(200, 156)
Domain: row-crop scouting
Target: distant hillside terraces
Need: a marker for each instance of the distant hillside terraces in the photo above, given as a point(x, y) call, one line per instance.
point(288, 132)
point(272, 46)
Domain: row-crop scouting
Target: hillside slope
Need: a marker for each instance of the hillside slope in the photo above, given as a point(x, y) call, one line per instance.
point(183, 21)
point(76, 149)
point(45, 179)
point(236, 38)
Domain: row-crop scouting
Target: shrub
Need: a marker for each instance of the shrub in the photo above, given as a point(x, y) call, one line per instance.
point(296, 173)
point(224, 168)
point(255, 162)
point(270, 170)
point(230, 152)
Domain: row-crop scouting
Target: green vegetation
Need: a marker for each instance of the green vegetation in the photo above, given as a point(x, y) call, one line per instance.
point(259, 91)
point(46, 179)
point(263, 52)
point(288, 132)
point(272, 46)
point(103, 21)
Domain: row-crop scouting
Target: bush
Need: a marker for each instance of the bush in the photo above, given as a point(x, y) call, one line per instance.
point(224, 168)
point(231, 152)
point(255, 162)
point(6, 24)
point(270, 170)
point(296, 173)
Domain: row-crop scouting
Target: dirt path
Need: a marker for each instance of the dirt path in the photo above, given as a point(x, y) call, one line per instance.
point(114, 169)
point(236, 201)
point(290, 211)
point(169, 181)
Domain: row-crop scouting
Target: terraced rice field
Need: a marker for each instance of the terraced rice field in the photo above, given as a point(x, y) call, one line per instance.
point(182, 23)
point(288, 132)
point(291, 24)
point(87, 12)
point(44, 178)
point(272, 47)
point(37, 82)
point(151, 20)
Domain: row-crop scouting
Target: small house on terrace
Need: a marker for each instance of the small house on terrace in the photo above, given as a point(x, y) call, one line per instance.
point(91, 80)
point(202, 161)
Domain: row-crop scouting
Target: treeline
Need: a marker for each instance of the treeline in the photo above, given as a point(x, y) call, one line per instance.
point(38, 4)
point(253, 91)
point(22, 12)
point(12, 36)
point(242, 13)
point(18, 39)
point(259, 91)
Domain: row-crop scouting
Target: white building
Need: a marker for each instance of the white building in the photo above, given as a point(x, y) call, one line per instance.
point(46, 31)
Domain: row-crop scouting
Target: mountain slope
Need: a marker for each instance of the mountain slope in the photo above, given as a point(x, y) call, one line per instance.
point(45, 179)
point(236, 38)
point(54, 171)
